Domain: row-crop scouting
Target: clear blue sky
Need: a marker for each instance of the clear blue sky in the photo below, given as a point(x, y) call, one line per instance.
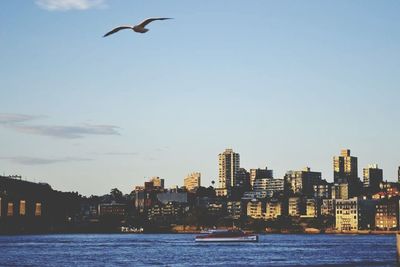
point(286, 84)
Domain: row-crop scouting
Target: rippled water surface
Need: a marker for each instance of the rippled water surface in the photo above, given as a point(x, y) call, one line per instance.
point(181, 250)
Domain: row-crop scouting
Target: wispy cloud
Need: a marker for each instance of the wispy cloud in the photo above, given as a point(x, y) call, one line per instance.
point(6, 118)
point(41, 161)
point(121, 154)
point(64, 5)
point(69, 132)
point(18, 122)
point(162, 149)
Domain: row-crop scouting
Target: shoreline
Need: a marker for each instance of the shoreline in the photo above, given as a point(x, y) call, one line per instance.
point(199, 232)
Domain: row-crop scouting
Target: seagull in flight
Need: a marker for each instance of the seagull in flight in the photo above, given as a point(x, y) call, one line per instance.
point(136, 28)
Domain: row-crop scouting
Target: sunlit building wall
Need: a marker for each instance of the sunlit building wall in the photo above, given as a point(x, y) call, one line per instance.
point(192, 181)
point(157, 182)
point(255, 209)
point(346, 214)
point(311, 208)
point(387, 214)
point(303, 181)
point(344, 167)
point(294, 206)
point(340, 191)
point(228, 165)
point(273, 210)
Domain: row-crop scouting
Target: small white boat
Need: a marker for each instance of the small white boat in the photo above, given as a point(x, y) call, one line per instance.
point(227, 236)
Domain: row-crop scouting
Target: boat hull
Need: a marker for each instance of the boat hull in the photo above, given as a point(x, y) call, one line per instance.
point(248, 238)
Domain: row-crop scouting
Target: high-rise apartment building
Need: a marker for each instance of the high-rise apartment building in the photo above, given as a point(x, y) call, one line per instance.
point(229, 164)
point(303, 181)
point(242, 179)
point(260, 174)
point(158, 183)
point(340, 191)
point(345, 170)
point(345, 167)
point(373, 176)
point(192, 181)
point(323, 190)
point(398, 175)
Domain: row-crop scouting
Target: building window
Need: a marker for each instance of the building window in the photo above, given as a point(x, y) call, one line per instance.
point(22, 208)
point(10, 209)
point(38, 209)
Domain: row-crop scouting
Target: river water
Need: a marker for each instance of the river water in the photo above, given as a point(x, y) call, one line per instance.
point(181, 250)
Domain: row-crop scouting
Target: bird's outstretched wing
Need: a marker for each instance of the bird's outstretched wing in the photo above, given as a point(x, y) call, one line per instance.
point(147, 21)
point(117, 29)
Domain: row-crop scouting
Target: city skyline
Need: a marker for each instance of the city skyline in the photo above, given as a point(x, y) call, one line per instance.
point(194, 176)
point(285, 84)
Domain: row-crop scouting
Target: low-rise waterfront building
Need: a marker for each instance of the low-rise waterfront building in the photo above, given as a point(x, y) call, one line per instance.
point(346, 214)
point(366, 213)
point(295, 206)
point(255, 209)
point(171, 212)
point(28, 207)
point(216, 207)
point(387, 214)
point(234, 209)
point(273, 209)
point(112, 209)
point(311, 208)
point(387, 192)
point(328, 207)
